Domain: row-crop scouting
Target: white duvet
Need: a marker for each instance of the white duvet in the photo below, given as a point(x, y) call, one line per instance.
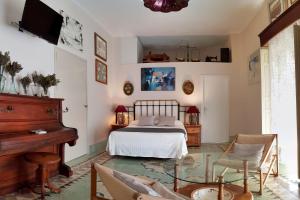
point(141, 144)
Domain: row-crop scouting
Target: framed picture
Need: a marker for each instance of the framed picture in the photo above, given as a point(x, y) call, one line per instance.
point(100, 47)
point(254, 68)
point(100, 71)
point(276, 7)
point(71, 32)
point(158, 79)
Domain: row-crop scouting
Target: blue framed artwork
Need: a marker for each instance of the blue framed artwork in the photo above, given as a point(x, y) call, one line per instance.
point(158, 79)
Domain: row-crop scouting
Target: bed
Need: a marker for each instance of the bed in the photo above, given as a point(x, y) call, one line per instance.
point(151, 140)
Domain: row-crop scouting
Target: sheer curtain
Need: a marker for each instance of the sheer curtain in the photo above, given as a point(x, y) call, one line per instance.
point(279, 98)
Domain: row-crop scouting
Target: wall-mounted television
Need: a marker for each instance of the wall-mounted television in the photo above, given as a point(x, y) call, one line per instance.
point(41, 20)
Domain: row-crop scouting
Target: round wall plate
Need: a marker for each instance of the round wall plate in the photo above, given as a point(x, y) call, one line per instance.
point(128, 88)
point(188, 87)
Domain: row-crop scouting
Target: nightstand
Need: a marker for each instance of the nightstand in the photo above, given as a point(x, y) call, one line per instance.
point(117, 126)
point(193, 134)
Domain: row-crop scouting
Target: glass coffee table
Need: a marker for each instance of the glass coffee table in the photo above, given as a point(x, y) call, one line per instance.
point(194, 177)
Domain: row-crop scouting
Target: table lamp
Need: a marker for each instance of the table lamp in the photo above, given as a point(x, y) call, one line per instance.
point(193, 115)
point(120, 117)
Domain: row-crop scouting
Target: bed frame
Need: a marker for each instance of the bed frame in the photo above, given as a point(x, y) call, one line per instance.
point(168, 107)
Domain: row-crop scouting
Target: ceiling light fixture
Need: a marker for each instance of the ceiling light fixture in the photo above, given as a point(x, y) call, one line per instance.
point(165, 5)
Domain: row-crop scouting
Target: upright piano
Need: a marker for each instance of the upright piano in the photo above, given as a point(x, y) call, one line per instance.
point(19, 115)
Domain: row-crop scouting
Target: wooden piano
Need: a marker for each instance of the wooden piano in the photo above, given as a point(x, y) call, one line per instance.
point(18, 116)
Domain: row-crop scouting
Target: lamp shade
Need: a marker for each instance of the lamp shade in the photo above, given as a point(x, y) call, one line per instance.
point(192, 109)
point(120, 108)
point(165, 5)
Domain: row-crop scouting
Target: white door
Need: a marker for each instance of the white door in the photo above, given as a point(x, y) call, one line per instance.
point(214, 109)
point(71, 71)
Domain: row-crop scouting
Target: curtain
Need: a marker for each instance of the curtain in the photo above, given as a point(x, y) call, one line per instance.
point(280, 111)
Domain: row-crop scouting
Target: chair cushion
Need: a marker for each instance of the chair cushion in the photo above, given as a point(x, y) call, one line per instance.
point(248, 149)
point(250, 152)
point(166, 121)
point(146, 121)
point(165, 192)
point(135, 185)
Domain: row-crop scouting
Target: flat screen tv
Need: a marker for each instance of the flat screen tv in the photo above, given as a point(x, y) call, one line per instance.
point(41, 20)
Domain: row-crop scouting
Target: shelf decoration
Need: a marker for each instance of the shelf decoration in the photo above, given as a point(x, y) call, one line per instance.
point(149, 58)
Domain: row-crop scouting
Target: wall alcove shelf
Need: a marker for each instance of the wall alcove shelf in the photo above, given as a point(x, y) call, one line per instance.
point(288, 17)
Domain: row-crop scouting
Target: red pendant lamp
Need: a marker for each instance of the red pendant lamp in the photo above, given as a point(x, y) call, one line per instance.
point(165, 5)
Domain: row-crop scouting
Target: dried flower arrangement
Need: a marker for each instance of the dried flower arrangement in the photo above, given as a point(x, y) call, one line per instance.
point(13, 68)
point(47, 81)
point(35, 78)
point(25, 82)
point(4, 60)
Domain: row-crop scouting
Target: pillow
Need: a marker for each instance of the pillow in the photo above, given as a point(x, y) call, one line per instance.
point(250, 152)
point(146, 121)
point(135, 184)
point(166, 121)
point(165, 192)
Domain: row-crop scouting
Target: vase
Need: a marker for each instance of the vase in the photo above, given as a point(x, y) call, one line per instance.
point(45, 90)
point(35, 89)
point(25, 89)
point(2, 83)
point(11, 87)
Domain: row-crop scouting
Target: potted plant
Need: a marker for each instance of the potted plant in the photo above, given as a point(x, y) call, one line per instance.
point(4, 60)
point(47, 81)
point(12, 69)
point(25, 82)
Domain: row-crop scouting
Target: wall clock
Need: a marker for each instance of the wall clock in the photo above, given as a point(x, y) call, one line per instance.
point(128, 88)
point(188, 87)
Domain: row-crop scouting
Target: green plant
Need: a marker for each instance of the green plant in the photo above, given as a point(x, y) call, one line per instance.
point(25, 82)
point(35, 78)
point(13, 68)
point(4, 60)
point(47, 81)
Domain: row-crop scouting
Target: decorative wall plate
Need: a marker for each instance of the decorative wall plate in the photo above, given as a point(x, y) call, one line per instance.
point(128, 88)
point(188, 87)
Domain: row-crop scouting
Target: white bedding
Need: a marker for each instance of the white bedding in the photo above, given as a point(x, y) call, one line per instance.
point(141, 144)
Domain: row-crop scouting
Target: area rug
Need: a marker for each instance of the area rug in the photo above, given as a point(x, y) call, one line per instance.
point(78, 186)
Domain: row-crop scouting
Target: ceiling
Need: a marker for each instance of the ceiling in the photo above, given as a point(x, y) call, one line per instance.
point(202, 17)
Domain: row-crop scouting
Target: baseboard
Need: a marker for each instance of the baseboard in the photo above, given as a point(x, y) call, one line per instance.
point(94, 150)
point(97, 148)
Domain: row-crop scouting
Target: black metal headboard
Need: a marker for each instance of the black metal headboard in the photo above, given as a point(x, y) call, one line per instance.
point(157, 108)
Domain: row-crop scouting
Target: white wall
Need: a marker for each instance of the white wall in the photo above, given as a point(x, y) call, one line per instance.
point(37, 54)
point(246, 99)
point(129, 50)
point(184, 71)
point(30, 51)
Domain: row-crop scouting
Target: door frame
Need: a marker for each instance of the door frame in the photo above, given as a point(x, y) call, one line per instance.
point(297, 74)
